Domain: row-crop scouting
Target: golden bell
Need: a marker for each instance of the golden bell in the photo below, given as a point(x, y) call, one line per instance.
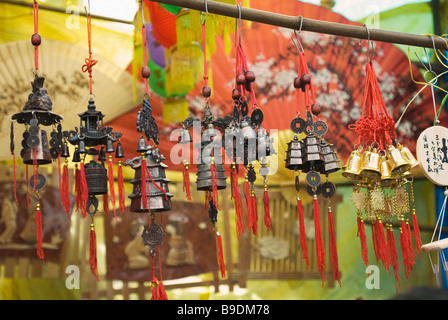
point(353, 166)
point(386, 173)
point(408, 156)
point(370, 166)
point(398, 163)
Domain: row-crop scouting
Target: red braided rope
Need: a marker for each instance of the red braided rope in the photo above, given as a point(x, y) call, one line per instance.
point(89, 62)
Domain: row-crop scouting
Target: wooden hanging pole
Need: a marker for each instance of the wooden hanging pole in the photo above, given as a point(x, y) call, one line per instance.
point(319, 26)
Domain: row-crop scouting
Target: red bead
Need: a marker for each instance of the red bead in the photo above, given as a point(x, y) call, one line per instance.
point(250, 76)
point(146, 72)
point(305, 79)
point(297, 83)
point(206, 91)
point(247, 86)
point(240, 79)
point(315, 109)
point(236, 94)
point(36, 39)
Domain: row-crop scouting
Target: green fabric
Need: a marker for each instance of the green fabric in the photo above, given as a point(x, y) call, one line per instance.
point(171, 8)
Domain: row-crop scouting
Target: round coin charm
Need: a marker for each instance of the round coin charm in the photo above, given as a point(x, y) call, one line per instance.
point(328, 189)
point(313, 179)
point(320, 128)
point(257, 117)
point(153, 235)
point(298, 125)
point(40, 182)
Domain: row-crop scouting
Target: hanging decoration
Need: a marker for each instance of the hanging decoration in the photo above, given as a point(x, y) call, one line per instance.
point(150, 192)
point(91, 140)
point(314, 156)
point(36, 151)
point(379, 167)
point(247, 141)
point(210, 170)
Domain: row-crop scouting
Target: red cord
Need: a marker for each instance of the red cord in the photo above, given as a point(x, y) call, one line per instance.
point(89, 62)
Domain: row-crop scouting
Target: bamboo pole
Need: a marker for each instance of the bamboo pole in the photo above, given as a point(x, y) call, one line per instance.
point(318, 26)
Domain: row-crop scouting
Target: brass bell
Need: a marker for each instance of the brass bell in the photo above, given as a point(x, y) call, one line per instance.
point(41, 153)
point(408, 156)
point(397, 161)
point(65, 151)
point(96, 177)
point(184, 136)
point(386, 173)
point(370, 165)
point(352, 169)
point(82, 146)
point(119, 152)
point(294, 159)
point(109, 146)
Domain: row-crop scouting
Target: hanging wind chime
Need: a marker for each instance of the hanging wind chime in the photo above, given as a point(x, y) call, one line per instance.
point(314, 156)
point(379, 167)
point(36, 113)
point(150, 192)
point(210, 170)
point(247, 141)
point(92, 178)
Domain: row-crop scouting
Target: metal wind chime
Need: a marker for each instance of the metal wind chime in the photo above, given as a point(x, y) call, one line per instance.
point(379, 167)
point(248, 142)
point(313, 156)
point(36, 151)
point(210, 170)
point(95, 141)
point(150, 192)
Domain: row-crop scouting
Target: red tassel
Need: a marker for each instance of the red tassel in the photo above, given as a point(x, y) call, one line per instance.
point(393, 256)
point(35, 170)
point(222, 267)
point(83, 189)
point(382, 244)
point(121, 198)
point(236, 196)
point(15, 178)
point(112, 186)
point(77, 188)
point(303, 244)
point(214, 184)
point(333, 247)
point(247, 198)
point(410, 246)
point(93, 257)
point(154, 282)
point(254, 225)
point(64, 186)
point(363, 238)
point(61, 189)
point(143, 192)
point(233, 181)
point(267, 213)
point(161, 288)
point(186, 181)
point(320, 250)
point(39, 235)
point(404, 243)
point(417, 240)
point(106, 203)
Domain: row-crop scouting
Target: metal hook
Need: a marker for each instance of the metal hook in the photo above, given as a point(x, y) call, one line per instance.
point(202, 12)
point(238, 25)
point(369, 51)
point(297, 37)
point(143, 14)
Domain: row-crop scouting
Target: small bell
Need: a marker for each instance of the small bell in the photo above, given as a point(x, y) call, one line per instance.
point(352, 169)
point(119, 152)
point(184, 136)
point(76, 156)
point(294, 155)
point(370, 166)
point(313, 156)
point(397, 161)
point(36, 148)
point(141, 145)
point(109, 146)
point(65, 151)
point(96, 178)
point(81, 146)
point(408, 156)
point(386, 173)
point(331, 159)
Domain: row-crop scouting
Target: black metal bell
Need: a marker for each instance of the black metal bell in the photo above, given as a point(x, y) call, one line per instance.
point(157, 200)
point(331, 160)
point(312, 157)
point(142, 145)
point(119, 152)
point(96, 178)
point(82, 146)
point(184, 136)
point(76, 156)
point(35, 147)
point(65, 151)
point(294, 154)
point(110, 146)
point(204, 181)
